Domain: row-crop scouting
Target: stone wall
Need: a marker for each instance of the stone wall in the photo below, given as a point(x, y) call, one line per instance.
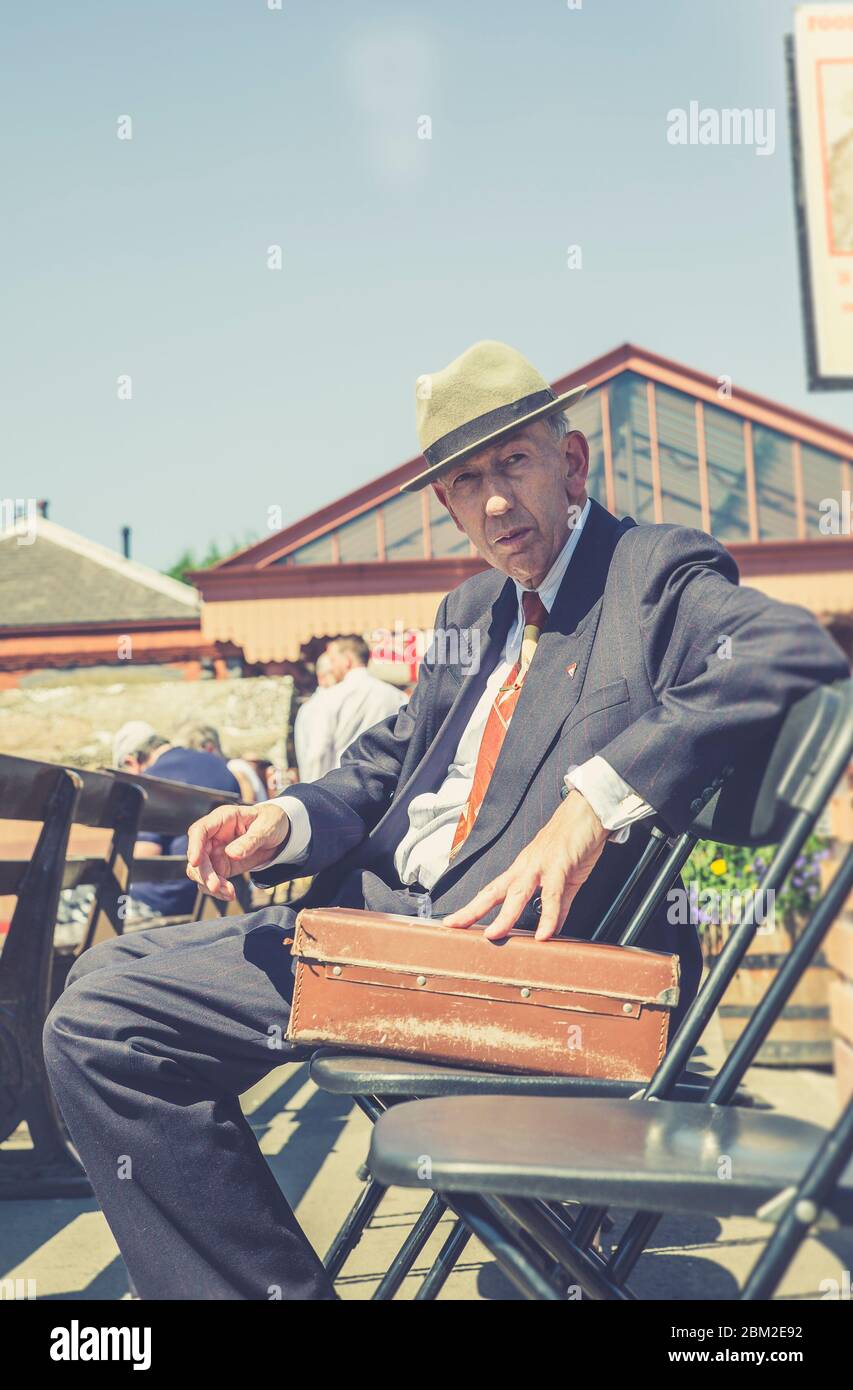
point(74, 721)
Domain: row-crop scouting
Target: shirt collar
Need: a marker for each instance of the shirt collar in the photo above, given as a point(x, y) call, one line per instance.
point(547, 590)
point(355, 674)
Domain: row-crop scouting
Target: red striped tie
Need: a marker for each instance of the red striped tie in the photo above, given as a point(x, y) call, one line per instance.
point(535, 618)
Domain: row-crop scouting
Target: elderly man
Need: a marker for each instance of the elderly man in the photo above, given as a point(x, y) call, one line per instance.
point(516, 790)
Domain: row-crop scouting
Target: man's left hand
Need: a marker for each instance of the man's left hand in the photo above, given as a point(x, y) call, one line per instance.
point(556, 863)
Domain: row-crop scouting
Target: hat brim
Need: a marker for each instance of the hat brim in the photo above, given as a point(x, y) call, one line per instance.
point(431, 474)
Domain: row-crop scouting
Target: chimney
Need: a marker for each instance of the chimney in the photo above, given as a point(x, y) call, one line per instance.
point(41, 507)
point(125, 542)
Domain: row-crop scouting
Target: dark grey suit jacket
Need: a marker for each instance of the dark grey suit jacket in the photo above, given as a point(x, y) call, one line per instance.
point(633, 664)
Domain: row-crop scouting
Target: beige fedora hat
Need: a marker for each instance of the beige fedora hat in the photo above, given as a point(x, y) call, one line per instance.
point(479, 397)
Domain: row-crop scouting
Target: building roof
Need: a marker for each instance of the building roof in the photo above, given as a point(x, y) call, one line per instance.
point(51, 576)
point(681, 445)
point(662, 370)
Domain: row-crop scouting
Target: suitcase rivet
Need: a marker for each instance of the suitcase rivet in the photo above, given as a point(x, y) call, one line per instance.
point(336, 970)
point(627, 1008)
point(422, 979)
point(525, 993)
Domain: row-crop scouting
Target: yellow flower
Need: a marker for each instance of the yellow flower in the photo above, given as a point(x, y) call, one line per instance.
point(717, 866)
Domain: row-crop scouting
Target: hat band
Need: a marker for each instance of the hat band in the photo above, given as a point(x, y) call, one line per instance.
point(484, 425)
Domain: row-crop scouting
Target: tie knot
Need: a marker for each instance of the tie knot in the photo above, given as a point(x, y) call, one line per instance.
point(535, 612)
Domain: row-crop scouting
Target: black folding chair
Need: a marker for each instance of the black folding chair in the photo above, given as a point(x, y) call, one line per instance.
point(32, 971)
point(521, 1156)
point(585, 1144)
point(376, 1082)
point(754, 806)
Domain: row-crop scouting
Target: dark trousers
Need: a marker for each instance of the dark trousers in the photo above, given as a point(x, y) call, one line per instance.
point(154, 1038)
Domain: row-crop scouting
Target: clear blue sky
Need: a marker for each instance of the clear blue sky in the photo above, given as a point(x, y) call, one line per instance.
point(299, 127)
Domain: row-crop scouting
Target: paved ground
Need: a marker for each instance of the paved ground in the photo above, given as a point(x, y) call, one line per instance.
point(315, 1143)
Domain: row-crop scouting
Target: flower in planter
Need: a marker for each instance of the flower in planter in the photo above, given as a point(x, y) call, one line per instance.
point(731, 875)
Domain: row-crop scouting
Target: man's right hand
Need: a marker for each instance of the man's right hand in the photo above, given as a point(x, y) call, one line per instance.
point(233, 840)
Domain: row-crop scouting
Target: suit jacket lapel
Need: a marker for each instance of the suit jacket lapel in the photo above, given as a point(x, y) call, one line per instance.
point(549, 693)
point(493, 625)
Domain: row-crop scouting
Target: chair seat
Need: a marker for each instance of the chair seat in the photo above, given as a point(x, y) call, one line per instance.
point(658, 1156)
point(359, 1074)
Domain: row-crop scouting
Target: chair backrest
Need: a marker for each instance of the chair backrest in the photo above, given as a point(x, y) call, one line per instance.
point(756, 805)
point(788, 798)
point(171, 807)
point(775, 798)
point(26, 786)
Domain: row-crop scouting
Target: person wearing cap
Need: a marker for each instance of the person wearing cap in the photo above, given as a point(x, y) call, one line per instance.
point(516, 788)
point(137, 747)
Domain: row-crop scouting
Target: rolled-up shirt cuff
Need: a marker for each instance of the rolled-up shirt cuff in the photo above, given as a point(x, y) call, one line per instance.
point(615, 803)
point(295, 850)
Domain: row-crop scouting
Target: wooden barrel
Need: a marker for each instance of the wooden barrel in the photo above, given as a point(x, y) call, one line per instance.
point(802, 1035)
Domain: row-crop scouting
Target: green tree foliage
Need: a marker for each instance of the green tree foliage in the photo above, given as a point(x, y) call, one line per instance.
point(190, 560)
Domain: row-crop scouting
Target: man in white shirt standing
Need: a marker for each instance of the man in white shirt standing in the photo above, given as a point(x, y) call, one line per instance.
point(574, 689)
point(349, 701)
point(312, 727)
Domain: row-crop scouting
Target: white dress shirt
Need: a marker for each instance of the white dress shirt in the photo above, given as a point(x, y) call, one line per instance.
point(423, 853)
point(336, 716)
point(313, 736)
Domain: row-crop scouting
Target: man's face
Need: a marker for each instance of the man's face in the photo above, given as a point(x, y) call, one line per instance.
point(339, 663)
point(518, 500)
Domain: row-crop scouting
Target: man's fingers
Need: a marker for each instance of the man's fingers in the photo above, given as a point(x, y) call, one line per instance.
point(479, 905)
point(198, 835)
point(569, 891)
point(206, 875)
point(556, 898)
point(514, 903)
point(243, 847)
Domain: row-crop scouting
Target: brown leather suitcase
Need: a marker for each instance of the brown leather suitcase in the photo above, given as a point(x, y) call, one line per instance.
point(403, 986)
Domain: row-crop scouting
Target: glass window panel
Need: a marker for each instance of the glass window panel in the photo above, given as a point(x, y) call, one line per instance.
point(629, 431)
point(446, 539)
point(726, 475)
point(358, 539)
point(821, 481)
point(403, 527)
point(586, 417)
point(774, 484)
point(678, 454)
point(317, 552)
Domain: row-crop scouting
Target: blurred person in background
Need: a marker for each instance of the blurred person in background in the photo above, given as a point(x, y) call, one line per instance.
point(206, 738)
point(353, 703)
point(138, 748)
point(313, 726)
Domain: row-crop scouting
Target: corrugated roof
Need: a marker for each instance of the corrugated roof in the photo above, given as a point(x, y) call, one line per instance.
point(51, 575)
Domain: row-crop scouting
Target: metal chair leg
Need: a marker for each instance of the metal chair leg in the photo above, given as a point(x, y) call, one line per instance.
point(410, 1249)
point(445, 1262)
point(353, 1228)
point(362, 1209)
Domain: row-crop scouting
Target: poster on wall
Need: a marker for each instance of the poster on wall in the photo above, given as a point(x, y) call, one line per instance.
point(820, 77)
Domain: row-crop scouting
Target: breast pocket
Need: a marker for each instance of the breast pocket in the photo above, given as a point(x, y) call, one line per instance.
point(614, 693)
point(597, 718)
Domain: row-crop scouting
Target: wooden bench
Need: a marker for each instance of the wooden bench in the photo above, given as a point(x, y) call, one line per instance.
point(32, 971)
